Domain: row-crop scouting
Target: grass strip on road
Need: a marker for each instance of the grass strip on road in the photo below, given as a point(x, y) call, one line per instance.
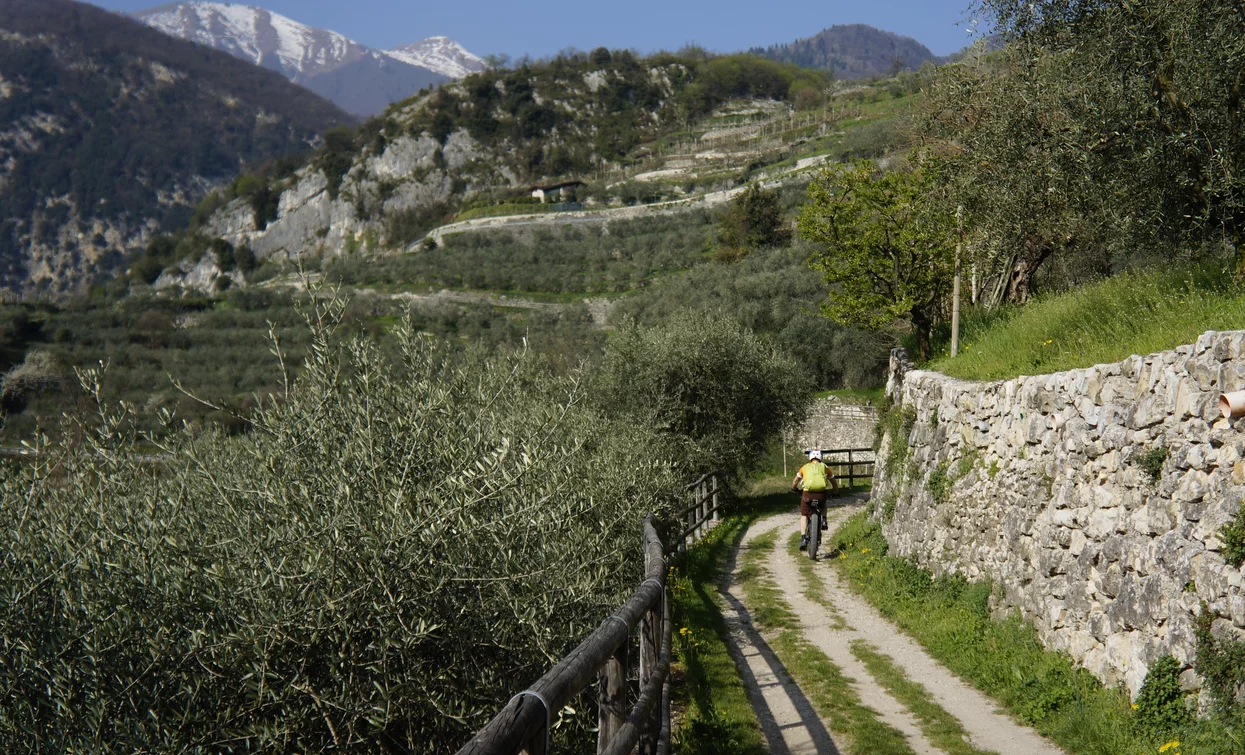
point(943, 729)
point(951, 619)
point(814, 587)
point(858, 729)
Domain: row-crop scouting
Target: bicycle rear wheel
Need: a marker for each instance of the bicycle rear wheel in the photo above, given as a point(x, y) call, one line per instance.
point(814, 533)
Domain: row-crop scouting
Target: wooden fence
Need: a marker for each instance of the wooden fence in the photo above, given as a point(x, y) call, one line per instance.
point(523, 725)
point(850, 464)
point(706, 507)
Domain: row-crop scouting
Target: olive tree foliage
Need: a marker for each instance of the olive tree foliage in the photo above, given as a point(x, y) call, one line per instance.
point(706, 383)
point(397, 546)
point(1102, 131)
point(1036, 194)
point(884, 244)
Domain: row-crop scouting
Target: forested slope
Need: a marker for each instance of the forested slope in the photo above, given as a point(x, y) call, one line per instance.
point(110, 131)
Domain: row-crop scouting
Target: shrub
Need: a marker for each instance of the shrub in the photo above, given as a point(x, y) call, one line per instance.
point(1233, 534)
point(353, 574)
point(37, 373)
point(1152, 462)
point(939, 485)
point(223, 251)
point(707, 382)
point(1221, 663)
point(1161, 709)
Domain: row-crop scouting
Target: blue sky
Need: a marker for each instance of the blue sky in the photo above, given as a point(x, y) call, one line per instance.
point(541, 28)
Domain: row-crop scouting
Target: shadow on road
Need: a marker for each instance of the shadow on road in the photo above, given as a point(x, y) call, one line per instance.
point(808, 718)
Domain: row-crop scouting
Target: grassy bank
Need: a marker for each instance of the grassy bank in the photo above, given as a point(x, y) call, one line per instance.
point(1132, 313)
point(1004, 659)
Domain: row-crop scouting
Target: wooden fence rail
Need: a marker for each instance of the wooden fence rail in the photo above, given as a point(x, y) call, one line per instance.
point(523, 725)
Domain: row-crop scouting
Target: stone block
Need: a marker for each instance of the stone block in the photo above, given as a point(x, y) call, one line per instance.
point(1207, 372)
point(1192, 486)
point(1221, 348)
point(1148, 412)
point(1104, 522)
point(1076, 542)
point(1232, 378)
point(1236, 344)
point(1186, 396)
point(1114, 436)
point(1190, 681)
point(1236, 610)
point(1095, 661)
point(1152, 519)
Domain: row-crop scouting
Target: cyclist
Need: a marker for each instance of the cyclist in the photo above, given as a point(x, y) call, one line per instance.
point(812, 482)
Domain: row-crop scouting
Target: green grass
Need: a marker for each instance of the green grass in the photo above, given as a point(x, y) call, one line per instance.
point(950, 618)
point(1131, 313)
point(857, 728)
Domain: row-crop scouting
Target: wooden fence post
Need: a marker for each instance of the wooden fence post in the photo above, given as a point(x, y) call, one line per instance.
point(650, 648)
point(704, 507)
point(539, 744)
point(612, 697)
point(717, 515)
point(851, 472)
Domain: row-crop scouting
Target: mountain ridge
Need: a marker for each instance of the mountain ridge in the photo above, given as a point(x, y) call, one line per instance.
point(356, 77)
point(852, 51)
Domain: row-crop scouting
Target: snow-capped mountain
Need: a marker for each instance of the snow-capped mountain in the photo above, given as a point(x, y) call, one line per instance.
point(354, 76)
point(440, 54)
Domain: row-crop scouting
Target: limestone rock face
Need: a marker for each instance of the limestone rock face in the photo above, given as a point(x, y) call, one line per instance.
point(1052, 501)
point(411, 174)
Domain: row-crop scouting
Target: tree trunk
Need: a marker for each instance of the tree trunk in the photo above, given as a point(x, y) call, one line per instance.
point(1020, 279)
point(922, 325)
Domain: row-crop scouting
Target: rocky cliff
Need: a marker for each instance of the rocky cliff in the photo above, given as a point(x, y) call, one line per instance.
point(1095, 500)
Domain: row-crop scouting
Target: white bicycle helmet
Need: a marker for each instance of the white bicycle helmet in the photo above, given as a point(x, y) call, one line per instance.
point(814, 453)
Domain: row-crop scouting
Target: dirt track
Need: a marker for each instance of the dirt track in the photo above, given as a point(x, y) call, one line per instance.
point(787, 718)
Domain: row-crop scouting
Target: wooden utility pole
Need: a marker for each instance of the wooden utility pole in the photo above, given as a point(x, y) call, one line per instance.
point(955, 285)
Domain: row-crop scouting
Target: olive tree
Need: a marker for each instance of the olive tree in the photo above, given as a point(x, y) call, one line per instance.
point(706, 383)
point(1102, 130)
point(395, 547)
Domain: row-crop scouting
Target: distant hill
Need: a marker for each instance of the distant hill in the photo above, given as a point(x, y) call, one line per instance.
point(851, 51)
point(359, 79)
point(110, 131)
point(487, 139)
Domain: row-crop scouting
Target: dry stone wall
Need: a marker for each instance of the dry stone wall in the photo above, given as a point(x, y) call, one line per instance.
point(1039, 484)
point(833, 424)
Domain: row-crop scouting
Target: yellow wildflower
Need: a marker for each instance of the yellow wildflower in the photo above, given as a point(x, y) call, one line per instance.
point(1170, 745)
